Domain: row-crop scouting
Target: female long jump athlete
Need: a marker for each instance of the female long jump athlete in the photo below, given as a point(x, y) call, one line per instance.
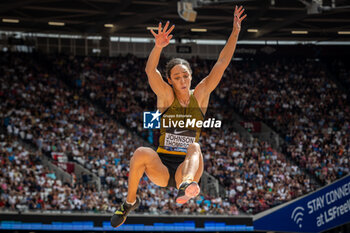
point(178, 161)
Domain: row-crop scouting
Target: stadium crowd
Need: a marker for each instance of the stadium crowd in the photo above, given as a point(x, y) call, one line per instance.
point(282, 93)
point(299, 100)
point(27, 185)
point(97, 79)
point(255, 176)
point(340, 69)
point(37, 106)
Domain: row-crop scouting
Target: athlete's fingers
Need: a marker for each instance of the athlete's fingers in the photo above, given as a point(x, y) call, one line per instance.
point(243, 17)
point(170, 30)
point(160, 27)
point(169, 38)
point(240, 13)
point(236, 11)
point(166, 26)
point(154, 34)
point(240, 8)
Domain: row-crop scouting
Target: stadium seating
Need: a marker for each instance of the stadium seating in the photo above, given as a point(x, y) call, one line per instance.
point(55, 102)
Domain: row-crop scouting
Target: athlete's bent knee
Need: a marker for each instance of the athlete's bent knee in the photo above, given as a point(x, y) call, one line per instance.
point(140, 151)
point(194, 147)
point(140, 154)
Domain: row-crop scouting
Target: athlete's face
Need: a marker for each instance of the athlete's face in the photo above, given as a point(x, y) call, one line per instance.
point(180, 78)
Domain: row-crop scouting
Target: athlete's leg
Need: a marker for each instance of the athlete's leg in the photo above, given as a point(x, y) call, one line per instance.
point(188, 174)
point(145, 159)
point(191, 169)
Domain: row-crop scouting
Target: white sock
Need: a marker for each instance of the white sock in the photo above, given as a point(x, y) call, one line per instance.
point(131, 203)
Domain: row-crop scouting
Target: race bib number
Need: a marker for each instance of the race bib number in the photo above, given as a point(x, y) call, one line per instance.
point(179, 139)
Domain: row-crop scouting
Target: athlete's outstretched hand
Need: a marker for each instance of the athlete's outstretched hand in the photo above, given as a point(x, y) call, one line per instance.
point(163, 38)
point(238, 19)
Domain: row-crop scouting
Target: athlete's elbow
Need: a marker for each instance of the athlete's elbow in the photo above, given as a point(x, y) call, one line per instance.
point(222, 64)
point(149, 69)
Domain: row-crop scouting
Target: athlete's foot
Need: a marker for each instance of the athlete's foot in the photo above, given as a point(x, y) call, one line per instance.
point(119, 216)
point(187, 191)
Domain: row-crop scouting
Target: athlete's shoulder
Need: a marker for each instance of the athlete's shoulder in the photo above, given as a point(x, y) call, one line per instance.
point(163, 103)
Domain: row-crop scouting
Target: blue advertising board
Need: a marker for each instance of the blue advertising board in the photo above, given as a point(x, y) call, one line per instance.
point(46, 221)
point(323, 209)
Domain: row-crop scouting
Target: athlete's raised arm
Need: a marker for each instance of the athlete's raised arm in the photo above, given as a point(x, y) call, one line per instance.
point(208, 84)
point(162, 39)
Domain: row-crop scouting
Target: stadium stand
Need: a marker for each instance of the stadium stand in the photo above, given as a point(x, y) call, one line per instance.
point(41, 109)
point(95, 77)
point(38, 108)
